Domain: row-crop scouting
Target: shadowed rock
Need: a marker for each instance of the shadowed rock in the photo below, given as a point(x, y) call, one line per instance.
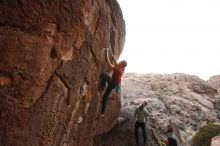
point(51, 57)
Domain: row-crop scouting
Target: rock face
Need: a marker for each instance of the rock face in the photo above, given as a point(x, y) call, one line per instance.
point(51, 57)
point(187, 101)
point(215, 141)
point(214, 81)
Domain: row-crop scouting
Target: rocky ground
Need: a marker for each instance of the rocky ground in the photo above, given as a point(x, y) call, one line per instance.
point(187, 101)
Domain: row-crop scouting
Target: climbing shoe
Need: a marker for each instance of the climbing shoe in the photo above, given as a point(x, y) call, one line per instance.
point(102, 116)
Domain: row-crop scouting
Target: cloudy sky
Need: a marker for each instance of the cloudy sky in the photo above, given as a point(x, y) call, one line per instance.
point(168, 36)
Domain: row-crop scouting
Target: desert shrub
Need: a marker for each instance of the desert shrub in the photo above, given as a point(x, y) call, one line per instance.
point(205, 134)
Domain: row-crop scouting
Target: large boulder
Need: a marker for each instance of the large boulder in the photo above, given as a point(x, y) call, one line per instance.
point(51, 58)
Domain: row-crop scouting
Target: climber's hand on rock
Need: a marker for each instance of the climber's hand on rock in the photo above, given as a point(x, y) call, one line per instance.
point(106, 49)
point(111, 97)
point(113, 57)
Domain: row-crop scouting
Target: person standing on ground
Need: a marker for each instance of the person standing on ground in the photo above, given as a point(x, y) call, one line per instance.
point(117, 70)
point(141, 116)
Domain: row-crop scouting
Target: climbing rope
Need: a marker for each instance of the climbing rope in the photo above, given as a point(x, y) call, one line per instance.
point(156, 138)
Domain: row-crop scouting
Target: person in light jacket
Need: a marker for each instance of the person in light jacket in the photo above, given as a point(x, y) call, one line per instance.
point(141, 117)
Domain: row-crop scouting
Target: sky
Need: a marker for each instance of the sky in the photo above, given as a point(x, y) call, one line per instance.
point(169, 36)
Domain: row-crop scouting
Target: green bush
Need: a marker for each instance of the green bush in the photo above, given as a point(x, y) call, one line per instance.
point(205, 134)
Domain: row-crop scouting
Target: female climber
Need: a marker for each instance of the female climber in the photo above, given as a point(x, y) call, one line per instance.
point(113, 81)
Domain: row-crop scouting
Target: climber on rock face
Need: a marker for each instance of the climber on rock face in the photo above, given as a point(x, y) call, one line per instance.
point(117, 70)
point(141, 116)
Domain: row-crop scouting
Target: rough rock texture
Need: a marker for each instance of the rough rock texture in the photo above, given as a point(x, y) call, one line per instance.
point(185, 100)
point(215, 141)
point(214, 81)
point(51, 57)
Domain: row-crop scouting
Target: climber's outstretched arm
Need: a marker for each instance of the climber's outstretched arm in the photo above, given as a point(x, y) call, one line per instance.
point(114, 60)
point(110, 65)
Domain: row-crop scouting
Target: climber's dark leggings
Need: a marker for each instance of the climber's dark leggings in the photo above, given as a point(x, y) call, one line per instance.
point(111, 85)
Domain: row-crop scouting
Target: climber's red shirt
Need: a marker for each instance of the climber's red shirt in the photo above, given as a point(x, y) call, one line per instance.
point(118, 71)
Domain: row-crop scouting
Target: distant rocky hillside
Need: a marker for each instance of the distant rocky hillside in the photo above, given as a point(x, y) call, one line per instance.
point(187, 101)
point(214, 81)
